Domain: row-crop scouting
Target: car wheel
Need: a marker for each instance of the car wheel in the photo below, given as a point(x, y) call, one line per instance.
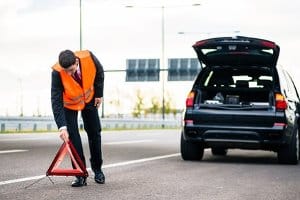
point(290, 154)
point(217, 151)
point(191, 150)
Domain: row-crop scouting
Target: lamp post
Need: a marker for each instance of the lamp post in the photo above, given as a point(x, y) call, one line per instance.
point(162, 63)
point(80, 26)
point(21, 97)
point(209, 33)
point(162, 58)
point(80, 43)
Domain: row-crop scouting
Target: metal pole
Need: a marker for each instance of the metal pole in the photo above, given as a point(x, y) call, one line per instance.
point(102, 111)
point(80, 31)
point(21, 97)
point(162, 66)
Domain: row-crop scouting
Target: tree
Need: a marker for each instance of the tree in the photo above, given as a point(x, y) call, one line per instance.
point(168, 107)
point(155, 108)
point(139, 105)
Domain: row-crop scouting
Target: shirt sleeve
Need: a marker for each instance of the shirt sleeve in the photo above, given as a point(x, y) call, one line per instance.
point(99, 79)
point(57, 100)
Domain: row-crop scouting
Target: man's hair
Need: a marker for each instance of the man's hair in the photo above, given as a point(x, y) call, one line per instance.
point(66, 58)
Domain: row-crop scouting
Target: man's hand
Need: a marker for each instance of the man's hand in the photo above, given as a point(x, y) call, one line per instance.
point(98, 102)
point(64, 135)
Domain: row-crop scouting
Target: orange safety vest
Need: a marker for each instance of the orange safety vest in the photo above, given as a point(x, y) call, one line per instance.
point(74, 95)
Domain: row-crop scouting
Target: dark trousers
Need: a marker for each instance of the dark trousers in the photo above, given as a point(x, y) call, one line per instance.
point(92, 127)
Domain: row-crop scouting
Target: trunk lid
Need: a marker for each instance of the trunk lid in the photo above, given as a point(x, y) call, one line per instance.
point(239, 50)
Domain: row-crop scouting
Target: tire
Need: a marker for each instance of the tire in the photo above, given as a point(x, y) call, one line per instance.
point(290, 154)
point(217, 151)
point(191, 150)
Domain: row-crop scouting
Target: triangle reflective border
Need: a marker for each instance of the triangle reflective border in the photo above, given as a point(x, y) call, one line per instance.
point(67, 148)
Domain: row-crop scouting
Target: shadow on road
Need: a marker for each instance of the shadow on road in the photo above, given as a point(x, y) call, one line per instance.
point(242, 157)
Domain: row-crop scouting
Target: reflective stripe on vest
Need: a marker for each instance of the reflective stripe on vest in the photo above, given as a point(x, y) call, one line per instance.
point(89, 92)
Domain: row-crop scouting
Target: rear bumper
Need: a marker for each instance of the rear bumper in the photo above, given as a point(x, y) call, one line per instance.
point(267, 138)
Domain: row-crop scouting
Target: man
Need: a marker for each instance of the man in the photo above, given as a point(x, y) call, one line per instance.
point(77, 85)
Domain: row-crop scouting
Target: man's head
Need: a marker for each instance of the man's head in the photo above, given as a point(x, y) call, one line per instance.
point(66, 58)
point(68, 61)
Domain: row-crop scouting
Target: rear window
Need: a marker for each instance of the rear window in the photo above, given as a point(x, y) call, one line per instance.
point(239, 77)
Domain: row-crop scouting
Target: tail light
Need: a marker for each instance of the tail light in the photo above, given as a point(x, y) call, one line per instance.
point(200, 43)
point(281, 103)
point(279, 124)
point(188, 122)
point(268, 44)
point(190, 99)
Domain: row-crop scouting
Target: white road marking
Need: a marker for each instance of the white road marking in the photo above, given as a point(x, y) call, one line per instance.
point(24, 139)
point(21, 180)
point(12, 151)
point(138, 161)
point(127, 142)
point(89, 169)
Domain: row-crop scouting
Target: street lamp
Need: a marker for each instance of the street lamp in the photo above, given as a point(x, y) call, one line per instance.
point(80, 43)
point(162, 61)
point(21, 97)
point(80, 26)
point(209, 33)
point(162, 58)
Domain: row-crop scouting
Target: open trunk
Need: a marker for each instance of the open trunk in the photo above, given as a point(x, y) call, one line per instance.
point(234, 98)
point(234, 107)
point(240, 87)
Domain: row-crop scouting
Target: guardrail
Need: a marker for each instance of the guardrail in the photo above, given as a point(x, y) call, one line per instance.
point(34, 124)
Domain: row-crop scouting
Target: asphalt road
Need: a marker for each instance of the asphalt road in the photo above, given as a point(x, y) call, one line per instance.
point(144, 165)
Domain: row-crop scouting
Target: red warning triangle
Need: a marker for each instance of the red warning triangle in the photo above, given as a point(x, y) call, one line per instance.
point(80, 169)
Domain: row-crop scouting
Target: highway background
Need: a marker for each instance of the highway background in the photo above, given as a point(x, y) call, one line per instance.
point(137, 164)
point(144, 165)
point(42, 124)
point(34, 32)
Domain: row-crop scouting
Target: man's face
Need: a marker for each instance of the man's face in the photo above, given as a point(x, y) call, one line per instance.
point(72, 69)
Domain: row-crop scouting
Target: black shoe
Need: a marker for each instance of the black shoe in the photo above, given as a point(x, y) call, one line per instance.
point(79, 182)
point(99, 177)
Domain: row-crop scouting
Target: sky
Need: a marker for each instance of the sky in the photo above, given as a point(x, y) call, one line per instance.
point(33, 32)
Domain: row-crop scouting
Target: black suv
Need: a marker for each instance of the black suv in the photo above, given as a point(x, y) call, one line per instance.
point(241, 99)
